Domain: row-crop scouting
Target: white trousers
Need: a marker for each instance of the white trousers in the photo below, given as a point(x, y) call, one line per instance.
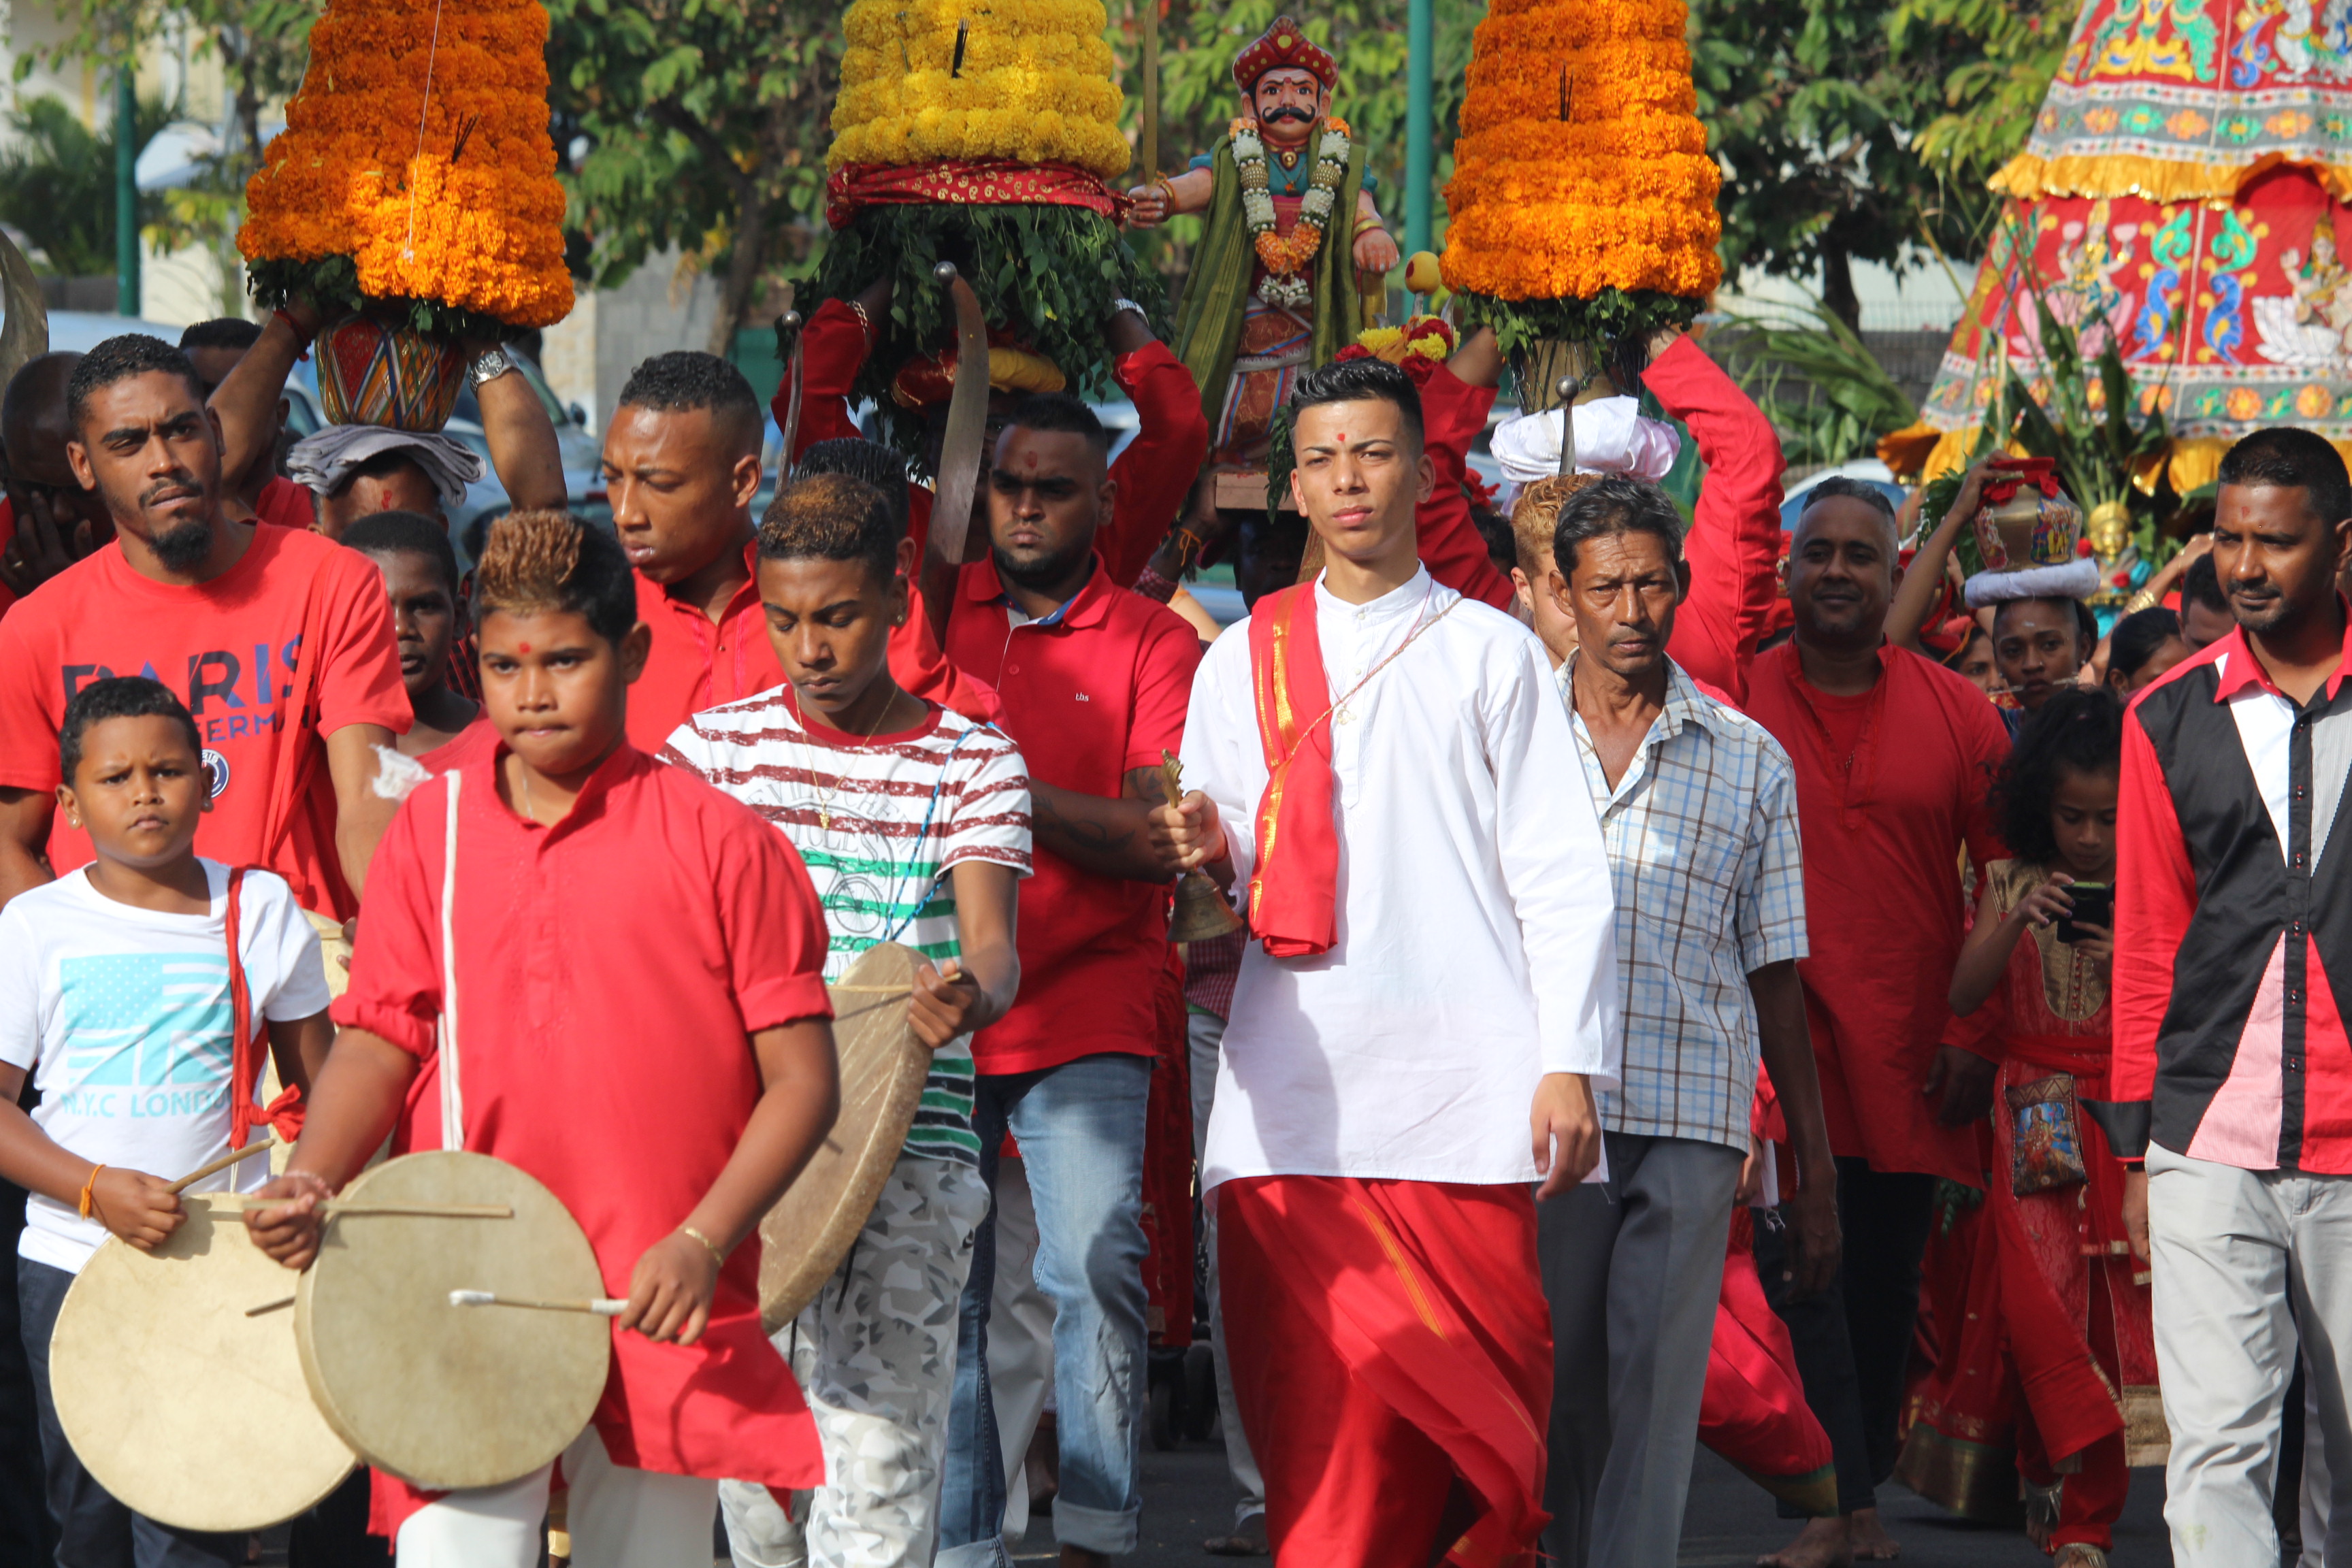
point(2250, 1266)
point(618, 1519)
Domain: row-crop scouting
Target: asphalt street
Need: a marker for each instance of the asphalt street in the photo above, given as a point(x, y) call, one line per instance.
point(1188, 1496)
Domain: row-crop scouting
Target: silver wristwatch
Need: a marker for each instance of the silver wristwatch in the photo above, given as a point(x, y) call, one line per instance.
point(1126, 304)
point(495, 362)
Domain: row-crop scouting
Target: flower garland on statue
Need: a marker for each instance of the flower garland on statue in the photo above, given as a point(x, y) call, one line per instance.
point(1286, 255)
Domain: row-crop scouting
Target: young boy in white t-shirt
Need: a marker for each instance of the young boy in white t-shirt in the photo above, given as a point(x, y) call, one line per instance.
point(914, 825)
point(115, 997)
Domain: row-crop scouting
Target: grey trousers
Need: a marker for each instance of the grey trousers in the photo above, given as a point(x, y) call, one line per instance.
point(2247, 1265)
point(1206, 1033)
point(1633, 1268)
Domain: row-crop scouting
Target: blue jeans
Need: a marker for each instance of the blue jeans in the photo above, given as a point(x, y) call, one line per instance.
point(95, 1530)
point(1081, 1130)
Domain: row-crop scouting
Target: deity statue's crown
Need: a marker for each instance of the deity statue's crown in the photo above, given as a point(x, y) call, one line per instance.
point(1284, 44)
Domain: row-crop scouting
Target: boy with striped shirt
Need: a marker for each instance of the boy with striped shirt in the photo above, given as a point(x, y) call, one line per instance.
point(914, 825)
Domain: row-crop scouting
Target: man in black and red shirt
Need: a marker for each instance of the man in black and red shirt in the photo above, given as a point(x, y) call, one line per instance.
point(2232, 1071)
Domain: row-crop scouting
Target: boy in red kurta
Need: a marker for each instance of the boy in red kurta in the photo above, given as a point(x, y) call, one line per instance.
point(1894, 756)
point(575, 1034)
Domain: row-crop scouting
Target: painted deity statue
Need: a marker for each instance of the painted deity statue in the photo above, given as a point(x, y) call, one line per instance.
point(1290, 226)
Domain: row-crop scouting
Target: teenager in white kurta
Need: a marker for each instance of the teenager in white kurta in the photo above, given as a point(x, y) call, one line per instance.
point(1445, 999)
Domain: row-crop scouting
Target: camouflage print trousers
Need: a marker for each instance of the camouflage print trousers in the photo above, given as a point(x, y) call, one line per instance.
point(876, 1356)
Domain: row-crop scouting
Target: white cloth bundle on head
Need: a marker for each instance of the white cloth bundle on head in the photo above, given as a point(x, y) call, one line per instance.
point(322, 462)
point(2076, 579)
point(1611, 437)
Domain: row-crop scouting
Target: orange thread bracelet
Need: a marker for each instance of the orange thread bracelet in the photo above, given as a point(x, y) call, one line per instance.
point(90, 1190)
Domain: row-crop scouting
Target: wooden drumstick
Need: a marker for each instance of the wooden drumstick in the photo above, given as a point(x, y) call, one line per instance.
point(333, 1207)
point(603, 1306)
point(214, 1167)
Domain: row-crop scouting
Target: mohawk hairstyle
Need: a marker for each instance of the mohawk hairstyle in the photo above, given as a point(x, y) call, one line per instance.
point(1535, 518)
point(535, 562)
point(832, 517)
point(871, 461)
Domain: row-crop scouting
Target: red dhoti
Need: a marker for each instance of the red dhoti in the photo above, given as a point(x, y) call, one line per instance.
point(1388, 1339)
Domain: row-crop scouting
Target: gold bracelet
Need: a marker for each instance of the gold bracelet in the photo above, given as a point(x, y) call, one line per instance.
point(708, 1246)
point(2143, 600)
point(1167, 192)
point(866, 324)
point(1364, 223)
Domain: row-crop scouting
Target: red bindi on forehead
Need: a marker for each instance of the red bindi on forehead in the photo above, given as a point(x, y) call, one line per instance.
point(525, 647)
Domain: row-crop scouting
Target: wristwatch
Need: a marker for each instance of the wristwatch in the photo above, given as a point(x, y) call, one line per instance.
point(1125, 304)
point(495, 362)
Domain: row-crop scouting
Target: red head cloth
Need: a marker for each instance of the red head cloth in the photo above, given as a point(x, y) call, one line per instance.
point(1284, 45)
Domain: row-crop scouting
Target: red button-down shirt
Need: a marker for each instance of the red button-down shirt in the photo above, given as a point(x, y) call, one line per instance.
point(1886, 797)
point(1092, 692)
point(614, 1066)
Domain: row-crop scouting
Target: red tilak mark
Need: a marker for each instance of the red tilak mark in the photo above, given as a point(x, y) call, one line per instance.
point(1031, 458)
point(525, 647)
point(1343, 435)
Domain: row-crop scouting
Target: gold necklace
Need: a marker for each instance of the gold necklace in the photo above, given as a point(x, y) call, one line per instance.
point(824, 801)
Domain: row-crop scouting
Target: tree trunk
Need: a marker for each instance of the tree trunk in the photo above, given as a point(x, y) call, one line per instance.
point(1837, 286)
point(742, 267)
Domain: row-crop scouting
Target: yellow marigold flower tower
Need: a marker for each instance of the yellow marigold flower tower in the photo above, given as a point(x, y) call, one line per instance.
point(1582, 203)
point(413, 190)
point(981, 132)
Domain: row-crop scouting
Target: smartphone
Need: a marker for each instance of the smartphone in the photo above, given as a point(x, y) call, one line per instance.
point(2095, 904)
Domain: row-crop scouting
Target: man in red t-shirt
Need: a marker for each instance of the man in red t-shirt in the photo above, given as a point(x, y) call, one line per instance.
point(1095, 681)
point(1894, 755)
point(280, 642)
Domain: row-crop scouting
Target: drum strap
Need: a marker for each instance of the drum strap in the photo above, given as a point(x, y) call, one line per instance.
point(249, 1037)
point(453, 1100)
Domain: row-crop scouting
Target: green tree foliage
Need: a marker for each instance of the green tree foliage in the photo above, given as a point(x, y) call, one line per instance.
point(1994, 91)
point(262, 45)
point(57, 184)
point(704, 127)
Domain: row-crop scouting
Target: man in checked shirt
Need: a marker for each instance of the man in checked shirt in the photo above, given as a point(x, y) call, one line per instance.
point(1698, 811)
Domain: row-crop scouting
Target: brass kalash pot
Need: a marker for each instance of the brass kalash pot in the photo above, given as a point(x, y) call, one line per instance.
point(2026, 520)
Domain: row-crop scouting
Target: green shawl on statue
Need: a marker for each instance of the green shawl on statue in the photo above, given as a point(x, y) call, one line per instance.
point(1216, 290)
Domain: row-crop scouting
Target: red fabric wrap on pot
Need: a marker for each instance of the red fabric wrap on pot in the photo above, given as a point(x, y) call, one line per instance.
point(967, 181)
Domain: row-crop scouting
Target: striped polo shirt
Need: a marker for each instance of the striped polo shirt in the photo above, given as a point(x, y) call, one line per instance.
point(880, 823)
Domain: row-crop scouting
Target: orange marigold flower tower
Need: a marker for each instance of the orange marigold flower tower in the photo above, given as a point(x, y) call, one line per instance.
point(414, 186)
point(1582, 203)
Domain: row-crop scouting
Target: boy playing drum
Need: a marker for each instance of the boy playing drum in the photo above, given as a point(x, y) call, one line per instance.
point(116, 995)
point(914, 823)
point(641, 1025)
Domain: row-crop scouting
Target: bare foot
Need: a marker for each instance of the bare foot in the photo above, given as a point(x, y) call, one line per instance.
point(1822, 1543)
point(1870, 1539)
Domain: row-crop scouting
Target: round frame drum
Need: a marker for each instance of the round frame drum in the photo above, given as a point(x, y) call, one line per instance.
point(183, 1406)
point(443, 1396)
point(883, 1065)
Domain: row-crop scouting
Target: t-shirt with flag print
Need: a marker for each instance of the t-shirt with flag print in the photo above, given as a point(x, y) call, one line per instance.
point(879, 822)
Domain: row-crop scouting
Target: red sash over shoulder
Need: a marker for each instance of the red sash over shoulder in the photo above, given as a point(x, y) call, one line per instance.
point(1294, 891)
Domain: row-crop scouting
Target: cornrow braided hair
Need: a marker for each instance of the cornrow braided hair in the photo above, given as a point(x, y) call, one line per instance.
point(535, 562)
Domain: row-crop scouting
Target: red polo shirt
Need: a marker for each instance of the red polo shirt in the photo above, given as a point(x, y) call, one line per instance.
point(614, 1066)
point(696, 663)
point(1090, 692)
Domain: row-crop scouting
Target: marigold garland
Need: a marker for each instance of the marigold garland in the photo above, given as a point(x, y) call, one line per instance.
point(1582, 201)
point(465, 234)
point(1035, 84)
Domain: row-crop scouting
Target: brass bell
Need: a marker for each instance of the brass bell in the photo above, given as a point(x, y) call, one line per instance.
point(1202, 911)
